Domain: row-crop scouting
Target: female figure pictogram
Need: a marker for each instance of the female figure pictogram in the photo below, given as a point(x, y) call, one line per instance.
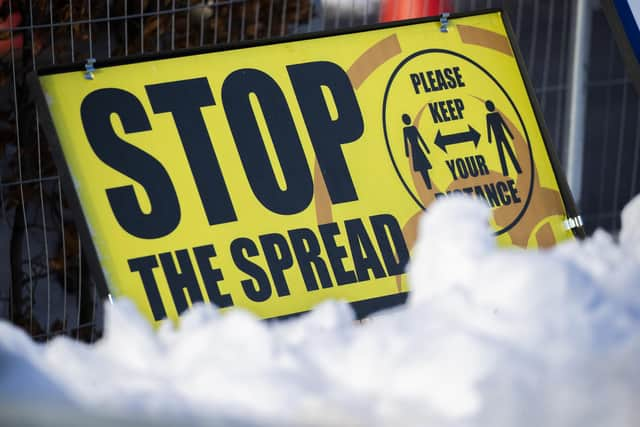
point(413, 141)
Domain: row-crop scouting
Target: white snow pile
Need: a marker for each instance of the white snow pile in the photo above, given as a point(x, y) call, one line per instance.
point(490, 337)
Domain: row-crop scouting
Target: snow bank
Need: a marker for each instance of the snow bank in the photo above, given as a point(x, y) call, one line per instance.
point(490, 337)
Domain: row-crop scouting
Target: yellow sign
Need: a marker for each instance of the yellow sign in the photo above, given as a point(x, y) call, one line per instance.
point(276, 176)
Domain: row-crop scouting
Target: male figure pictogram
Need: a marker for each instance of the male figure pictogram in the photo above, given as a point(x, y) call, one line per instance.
point(413, 141)
point(497, 126)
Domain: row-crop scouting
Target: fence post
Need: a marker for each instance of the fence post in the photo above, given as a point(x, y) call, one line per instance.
point(576, 103)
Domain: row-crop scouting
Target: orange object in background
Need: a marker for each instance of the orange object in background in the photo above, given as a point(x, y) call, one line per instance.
point(7, 23)
point(394, 10)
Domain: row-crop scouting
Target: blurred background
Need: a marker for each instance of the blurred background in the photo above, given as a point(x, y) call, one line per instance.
point(591, 108)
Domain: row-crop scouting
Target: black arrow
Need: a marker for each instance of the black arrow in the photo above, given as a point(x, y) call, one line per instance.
point(457, 138)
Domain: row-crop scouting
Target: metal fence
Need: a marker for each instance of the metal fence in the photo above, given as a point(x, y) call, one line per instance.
point(45, 286)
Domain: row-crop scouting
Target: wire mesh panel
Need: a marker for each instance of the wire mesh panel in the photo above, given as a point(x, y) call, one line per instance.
point(612, 137)
point(46, 287)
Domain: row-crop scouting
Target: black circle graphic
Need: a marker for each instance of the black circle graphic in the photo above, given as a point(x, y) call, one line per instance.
point(481, 68)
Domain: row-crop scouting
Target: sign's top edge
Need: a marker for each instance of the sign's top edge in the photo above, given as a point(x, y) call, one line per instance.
point(126, 60)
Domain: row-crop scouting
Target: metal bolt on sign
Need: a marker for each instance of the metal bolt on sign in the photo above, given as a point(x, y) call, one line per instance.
point(90, 69)
point(444, 22)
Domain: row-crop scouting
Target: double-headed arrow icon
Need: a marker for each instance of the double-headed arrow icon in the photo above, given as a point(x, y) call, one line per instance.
point(471, 135)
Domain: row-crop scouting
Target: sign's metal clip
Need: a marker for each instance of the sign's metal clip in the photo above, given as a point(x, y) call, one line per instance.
point(90, 69)
point(572, 223)
point(444, 22)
